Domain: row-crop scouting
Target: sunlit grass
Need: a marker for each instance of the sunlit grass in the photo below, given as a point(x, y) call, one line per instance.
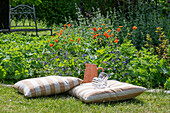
point(12, 101)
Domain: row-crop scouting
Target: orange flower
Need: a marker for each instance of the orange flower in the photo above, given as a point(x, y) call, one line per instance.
point(112, 34)
point(134, 28)
point(61, 31)
point(120, 26)
point(69, 25)
point(56, 33)
point(94, 36)
point(65, 37)
point(105, 34)
point(94, 29)
point(52, 36)
point(56, 40)
point(48, 41)
point(71, 40)
point(97, 34)
point(103, 24)
point(109, 30)
point(118, 29)
point(64, 28)
point(64, 25)
point(78, 40)
point(69, 35)
point(128, 33)
point(62, 36)
point(116, 41)
point(51, 45)
point(54, 29)
point(99, 28)
point(100, 39)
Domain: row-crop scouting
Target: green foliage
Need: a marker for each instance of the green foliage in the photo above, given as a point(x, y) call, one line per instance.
point(167, 84)
point(147, 69)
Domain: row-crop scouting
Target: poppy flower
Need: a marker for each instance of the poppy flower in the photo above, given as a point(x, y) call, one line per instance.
point(48, 41)
point(109, 30)
point(128, 33)
point(61, 31)
point(105, 34)
point(134, 28)
point(69, 35)
point(64, 28)
point(56, 40)
point(65, 37)
point(52, 36)
point(94, 29)
point(64, 25)
point(118, 29)
point(120, 26)
point(71, 40)
point(54, 29)
point(56, 33)
point(69, 25)
point(51, 45)
point(103, 24)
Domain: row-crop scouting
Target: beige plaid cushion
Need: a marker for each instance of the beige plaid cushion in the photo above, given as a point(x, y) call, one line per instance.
point(115, 91)
point(46, 85)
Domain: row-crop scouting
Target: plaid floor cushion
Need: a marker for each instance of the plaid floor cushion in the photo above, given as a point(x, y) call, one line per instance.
point(115, 91)
point(43, 86)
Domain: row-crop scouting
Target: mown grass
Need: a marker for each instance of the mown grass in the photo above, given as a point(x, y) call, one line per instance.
point(12, 101)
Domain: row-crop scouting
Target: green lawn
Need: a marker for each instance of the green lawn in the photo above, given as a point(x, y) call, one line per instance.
point(12, 101)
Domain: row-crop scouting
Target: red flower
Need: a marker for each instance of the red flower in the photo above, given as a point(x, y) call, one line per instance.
point(78, 40)
point(134, 28)
point(69, 25)
point(64, 25)
point(118, 29)
point(94, 36)
point(94, 29)
point(51, 45)
point(71, 40)
point(56, 40)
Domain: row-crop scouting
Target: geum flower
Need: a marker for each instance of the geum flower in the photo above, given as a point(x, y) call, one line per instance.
point(51, 45)
point(78, 40)
point(109, 30)
point(56, 40)
point(118, 29)
point(116, 41)
point(105, 34)
point(134, 28)
point(94, 29)
point(69, 25)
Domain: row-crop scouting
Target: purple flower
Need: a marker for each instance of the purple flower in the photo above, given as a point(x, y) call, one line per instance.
point(114, 69)
point(123, 75)
point(32, 58)
point(66, 73)
point(52, 59)
point(105, 62)
point(127, 73)
point(60, 74)
point(57, 57)
point(110, 75)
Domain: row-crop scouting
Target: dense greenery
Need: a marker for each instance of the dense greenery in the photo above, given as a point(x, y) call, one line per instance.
point(71, 46)
point(130, 44)
point(14, 102)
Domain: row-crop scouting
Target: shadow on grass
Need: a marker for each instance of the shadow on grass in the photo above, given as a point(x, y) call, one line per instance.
point(111, 103)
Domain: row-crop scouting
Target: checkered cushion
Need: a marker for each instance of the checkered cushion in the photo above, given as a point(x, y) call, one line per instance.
point(115, 91)
point(46, 85)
